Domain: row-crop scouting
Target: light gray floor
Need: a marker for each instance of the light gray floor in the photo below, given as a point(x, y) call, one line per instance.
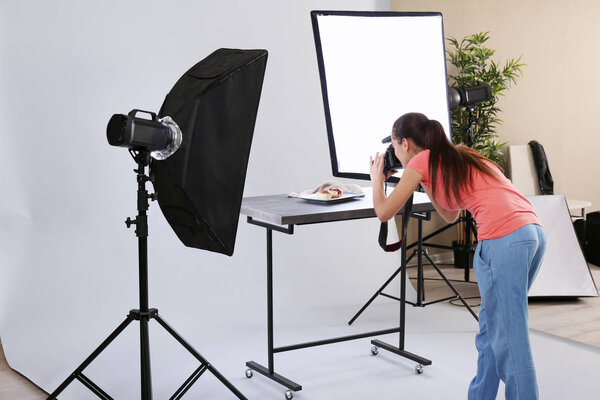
point(445, 334)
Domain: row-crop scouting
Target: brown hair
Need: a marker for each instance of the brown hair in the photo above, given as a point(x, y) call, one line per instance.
point(457, 162)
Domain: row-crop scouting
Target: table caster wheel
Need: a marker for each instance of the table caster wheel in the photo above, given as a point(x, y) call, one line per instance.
point(374, 350)
point(249, 373)
point(419, 369)
point(289, 394)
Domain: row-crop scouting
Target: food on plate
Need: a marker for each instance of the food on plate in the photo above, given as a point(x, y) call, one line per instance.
point(336, 193)
point(329, 194)
point(324, 195)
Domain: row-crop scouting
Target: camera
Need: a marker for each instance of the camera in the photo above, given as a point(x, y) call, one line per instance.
point(390, 161)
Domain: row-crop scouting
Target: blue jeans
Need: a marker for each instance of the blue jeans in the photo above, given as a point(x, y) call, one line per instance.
point(505, 269)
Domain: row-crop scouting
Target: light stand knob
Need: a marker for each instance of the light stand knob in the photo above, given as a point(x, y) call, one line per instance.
point(130, 222)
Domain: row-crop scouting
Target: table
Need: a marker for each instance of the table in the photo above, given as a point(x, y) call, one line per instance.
point(281, 213)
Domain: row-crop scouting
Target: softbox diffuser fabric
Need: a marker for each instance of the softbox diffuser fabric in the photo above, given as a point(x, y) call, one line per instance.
point(200, 187)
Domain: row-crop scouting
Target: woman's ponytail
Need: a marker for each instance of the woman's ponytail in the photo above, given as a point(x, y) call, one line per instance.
point(435, 137)
point(453, 164)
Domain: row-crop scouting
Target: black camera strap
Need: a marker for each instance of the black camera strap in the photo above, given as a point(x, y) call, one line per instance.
point(383, 229)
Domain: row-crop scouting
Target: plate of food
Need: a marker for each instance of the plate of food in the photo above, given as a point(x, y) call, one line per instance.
point(331, 195)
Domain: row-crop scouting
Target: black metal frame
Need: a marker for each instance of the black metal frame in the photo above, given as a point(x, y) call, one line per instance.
point(269, 371)
point(319, 50)
point(420, 252)
point(144, 314)
point(468, 246)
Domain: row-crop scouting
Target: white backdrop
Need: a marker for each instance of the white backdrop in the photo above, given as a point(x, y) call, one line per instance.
point(68, 266)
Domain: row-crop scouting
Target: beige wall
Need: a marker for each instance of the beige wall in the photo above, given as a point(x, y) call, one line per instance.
point(557, 102)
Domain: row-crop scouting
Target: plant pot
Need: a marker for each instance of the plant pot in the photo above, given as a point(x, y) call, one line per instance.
point(462, 256)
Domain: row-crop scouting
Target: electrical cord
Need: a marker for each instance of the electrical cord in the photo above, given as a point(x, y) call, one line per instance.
point(466, 298)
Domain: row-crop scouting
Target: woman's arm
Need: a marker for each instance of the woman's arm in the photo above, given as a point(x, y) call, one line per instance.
point(387, 207)
point(448, 215)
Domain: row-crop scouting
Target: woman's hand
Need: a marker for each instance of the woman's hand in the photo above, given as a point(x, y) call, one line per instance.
point(376, 169)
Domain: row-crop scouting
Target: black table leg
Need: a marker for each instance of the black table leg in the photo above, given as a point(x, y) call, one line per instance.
point(400, 350)
point(269, 372)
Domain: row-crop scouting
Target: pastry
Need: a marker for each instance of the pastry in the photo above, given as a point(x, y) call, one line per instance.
point(324, 195)
point(336, 193)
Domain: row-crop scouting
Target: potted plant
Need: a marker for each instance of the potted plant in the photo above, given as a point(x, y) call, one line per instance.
point(471, 63)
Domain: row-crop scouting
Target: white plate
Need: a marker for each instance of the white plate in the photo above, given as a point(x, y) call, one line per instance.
point(343, 197)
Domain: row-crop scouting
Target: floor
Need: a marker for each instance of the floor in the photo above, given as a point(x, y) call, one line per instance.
point(577, 319)
point(14, 386)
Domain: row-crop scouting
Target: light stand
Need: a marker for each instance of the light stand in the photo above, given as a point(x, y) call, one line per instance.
point(470, 227)
point(468, 219)
point(144, 314)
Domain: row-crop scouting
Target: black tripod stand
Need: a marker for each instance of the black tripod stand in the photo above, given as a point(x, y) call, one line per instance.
point(144, 314)
point(466, 248)
point(419, 253)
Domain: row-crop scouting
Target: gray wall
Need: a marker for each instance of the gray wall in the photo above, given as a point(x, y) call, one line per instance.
point(68, 265)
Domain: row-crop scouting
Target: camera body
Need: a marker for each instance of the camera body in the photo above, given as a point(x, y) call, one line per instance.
point(390, 161)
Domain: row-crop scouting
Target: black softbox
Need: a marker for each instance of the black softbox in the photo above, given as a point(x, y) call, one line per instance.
point(200, 187)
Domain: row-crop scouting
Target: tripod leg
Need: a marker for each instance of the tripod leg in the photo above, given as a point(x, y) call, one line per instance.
point(200, 358)
point(189, 382)
point(87, 382)
point(434, 265)
point(374, 296)
point(146, 377)
point(78, 372)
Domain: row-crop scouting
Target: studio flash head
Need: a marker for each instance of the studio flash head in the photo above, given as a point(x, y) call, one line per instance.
point(390, 161)
point(159, 137)
point(469, 96)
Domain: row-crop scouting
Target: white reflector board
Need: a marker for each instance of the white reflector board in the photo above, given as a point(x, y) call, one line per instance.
point(374, 67)
point(564, 271)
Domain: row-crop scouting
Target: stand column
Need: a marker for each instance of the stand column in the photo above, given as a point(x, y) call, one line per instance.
point(141, 232)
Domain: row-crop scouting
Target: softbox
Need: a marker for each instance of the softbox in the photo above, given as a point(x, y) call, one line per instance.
point(200, 187)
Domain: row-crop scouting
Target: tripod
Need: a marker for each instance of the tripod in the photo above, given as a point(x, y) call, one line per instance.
point(144, 314)
point(419, 253)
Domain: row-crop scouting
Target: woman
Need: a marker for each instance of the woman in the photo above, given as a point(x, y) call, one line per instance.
point(510, 246)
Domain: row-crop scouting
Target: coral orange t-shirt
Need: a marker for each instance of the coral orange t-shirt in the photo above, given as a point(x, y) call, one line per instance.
point(496, 204)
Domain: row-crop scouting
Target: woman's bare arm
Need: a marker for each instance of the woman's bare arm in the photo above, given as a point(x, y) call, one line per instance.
point(387, 207)
point(448, 215)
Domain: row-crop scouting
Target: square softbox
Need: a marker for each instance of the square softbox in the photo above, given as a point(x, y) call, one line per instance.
point(200, 187)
